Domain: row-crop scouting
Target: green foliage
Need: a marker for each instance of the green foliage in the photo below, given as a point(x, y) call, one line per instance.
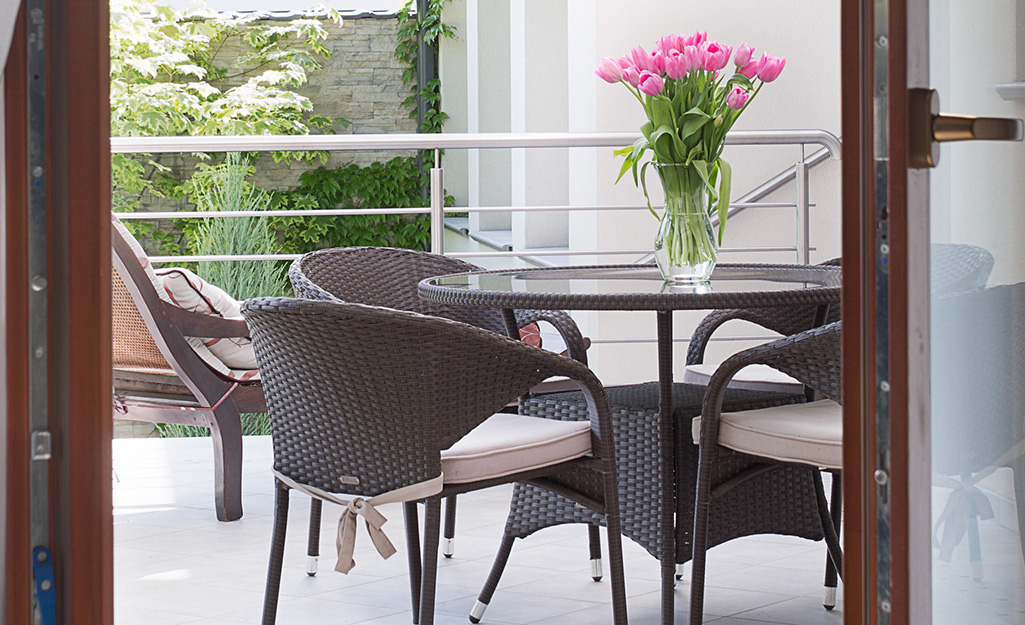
point(253, 424)
point(166, 79)
point(394, 184)
point(224, 188)
point(433, 30)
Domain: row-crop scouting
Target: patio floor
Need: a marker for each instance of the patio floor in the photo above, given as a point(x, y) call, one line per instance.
point(174, 563)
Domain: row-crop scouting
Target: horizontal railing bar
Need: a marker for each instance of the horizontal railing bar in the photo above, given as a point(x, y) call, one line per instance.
point(199, 258)
point(342, 212)
point(213, 258)
point(311, 212)
point(286, 143)
point(543, 253)
point(629, 340)
point(622, 207)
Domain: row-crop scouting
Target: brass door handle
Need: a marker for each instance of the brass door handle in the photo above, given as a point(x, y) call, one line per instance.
point(929, 128)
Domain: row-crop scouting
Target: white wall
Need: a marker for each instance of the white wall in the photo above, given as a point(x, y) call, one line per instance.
point(535, 72)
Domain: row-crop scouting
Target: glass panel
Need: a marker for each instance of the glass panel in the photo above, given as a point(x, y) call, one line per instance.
point(978, 324)
point(641, 280)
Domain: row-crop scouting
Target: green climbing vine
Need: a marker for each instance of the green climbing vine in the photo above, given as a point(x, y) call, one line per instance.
point(433, 30)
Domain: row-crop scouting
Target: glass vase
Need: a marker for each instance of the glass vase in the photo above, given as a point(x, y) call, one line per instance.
point(685, 247)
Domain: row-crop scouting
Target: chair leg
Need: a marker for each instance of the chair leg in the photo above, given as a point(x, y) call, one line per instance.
point(835, 509)
point(1018, 468)
point(432, 534)
point(448, 546)
point(277, 552)
point(832, 539)
point(614, 536)
point(594, 545)
point(974, 549)
point(412, 519)
point(226, 433)
point(313, 542)
point(484, 598)
point(697, 570)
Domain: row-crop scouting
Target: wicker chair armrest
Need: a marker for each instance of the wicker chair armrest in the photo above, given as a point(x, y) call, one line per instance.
point(703, 333)
point(812, 356)
point(204, 326)
point(564, 324)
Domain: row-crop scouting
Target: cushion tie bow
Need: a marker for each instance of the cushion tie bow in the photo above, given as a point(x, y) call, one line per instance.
point(345, 541)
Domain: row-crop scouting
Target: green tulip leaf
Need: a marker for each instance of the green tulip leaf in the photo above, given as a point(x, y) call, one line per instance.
point(691, 122)
point(646, 129)
point(724, 195)
point(740, 79)
point(662, 144)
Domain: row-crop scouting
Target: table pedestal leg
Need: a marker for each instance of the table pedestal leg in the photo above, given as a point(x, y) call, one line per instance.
point(667, 527)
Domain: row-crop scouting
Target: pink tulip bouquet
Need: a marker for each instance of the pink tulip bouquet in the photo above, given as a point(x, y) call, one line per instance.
point(691, 102)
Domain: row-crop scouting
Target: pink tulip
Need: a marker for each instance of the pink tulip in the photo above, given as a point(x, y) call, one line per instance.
point(641, 59)
point(771, 67)
point(716, 56)
point(751, 69)
point(632, 76)
point(651, 84)
point(696, 39)
point(694, 57)
point(737, 98)
point(669, 43)
point(609, 70)
point(658, 62)
point(743, 55)
point(625, 61)
point(676, 65)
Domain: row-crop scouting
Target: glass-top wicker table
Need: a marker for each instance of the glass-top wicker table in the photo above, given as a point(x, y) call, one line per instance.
point(641, 288)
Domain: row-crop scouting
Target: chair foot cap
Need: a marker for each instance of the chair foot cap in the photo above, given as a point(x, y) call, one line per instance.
point(977, 571)
point(311, 565)
point(448, 547)
point(596, 572)
point(679, 572)
point(478, 611)
point(829, 598)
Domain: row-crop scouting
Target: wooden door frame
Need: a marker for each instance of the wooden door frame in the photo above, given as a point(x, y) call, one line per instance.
point(906, 351)
point(858, 282)
point(78, 193)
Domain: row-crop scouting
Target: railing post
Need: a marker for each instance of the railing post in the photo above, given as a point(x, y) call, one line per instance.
point(437, 205)
point(803, 216)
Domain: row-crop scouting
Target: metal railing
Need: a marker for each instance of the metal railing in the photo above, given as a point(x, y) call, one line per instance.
point(829, 143)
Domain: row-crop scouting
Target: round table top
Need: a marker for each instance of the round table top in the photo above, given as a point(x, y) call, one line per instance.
point(636, 287)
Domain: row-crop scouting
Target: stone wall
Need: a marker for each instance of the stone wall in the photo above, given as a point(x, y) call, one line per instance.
point(361, 82)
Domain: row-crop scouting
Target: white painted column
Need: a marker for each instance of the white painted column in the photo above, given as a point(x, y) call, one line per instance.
point(472, 108)
point(518, 116)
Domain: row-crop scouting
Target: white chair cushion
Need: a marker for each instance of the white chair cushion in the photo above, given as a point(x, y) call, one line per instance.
point(750, 378)
point(189, 291)
point(510, 443)
point(809, 433)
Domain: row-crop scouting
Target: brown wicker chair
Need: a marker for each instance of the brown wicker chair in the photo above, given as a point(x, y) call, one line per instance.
point(363, 401)
point(739, 449)
point(158, 377)
point(385, 276)
point(977, 406)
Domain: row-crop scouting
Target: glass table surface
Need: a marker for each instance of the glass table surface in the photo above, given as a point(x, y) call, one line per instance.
point(636, 287)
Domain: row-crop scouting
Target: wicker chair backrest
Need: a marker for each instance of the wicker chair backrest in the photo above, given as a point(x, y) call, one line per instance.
point(384, 276)
point(374, 393)
point(978, 364)
point(956, 267)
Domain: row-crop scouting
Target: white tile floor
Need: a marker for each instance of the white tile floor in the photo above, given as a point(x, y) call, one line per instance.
point(174, 563)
